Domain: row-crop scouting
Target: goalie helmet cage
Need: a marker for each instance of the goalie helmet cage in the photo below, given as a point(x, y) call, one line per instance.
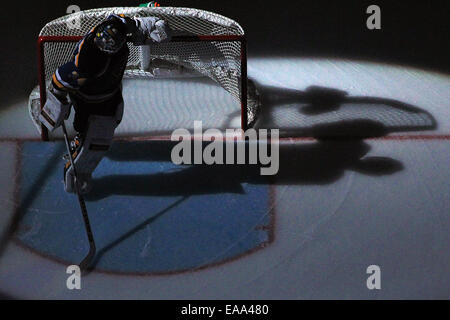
point(204, 42)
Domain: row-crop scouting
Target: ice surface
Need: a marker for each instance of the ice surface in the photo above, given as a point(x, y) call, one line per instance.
point(339, 206)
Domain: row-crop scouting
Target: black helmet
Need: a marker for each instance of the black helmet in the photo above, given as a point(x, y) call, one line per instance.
point(110, 36)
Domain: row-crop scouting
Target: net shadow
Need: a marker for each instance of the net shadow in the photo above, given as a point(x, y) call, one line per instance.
point(323, 112)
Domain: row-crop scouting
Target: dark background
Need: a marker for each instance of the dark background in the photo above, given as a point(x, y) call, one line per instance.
point(413, 33)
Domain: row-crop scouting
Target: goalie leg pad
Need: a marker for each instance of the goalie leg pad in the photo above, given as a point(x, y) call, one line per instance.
point(88, 155)
point(54, 111)
point(119, 112)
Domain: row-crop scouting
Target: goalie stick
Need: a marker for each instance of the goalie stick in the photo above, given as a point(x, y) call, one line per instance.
point(84, 264)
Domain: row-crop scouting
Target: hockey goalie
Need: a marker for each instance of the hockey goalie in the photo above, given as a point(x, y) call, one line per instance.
point(91, 83)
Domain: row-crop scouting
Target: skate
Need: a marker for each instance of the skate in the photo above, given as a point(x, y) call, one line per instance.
point(74, 146)
point(84, 183)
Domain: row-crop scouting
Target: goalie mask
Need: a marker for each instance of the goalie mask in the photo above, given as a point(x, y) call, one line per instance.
point(110, 36)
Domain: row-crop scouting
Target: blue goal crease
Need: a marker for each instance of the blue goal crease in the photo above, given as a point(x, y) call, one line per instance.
point(142, 224)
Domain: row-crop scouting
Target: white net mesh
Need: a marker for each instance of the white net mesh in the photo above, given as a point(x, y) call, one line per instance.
point(219, 60)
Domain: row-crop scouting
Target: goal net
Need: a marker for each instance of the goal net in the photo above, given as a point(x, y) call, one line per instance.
point(203, 44)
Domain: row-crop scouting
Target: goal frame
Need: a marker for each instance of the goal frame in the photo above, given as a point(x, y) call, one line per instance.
point(42, 40)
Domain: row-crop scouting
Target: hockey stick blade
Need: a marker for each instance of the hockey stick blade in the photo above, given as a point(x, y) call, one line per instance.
point(84, 264)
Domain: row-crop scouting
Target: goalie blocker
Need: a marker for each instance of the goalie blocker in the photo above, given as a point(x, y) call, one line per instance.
point(55, 111)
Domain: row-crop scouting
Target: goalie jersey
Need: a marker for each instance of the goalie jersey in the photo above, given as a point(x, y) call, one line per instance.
point(91, 74)
point(95, 76)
